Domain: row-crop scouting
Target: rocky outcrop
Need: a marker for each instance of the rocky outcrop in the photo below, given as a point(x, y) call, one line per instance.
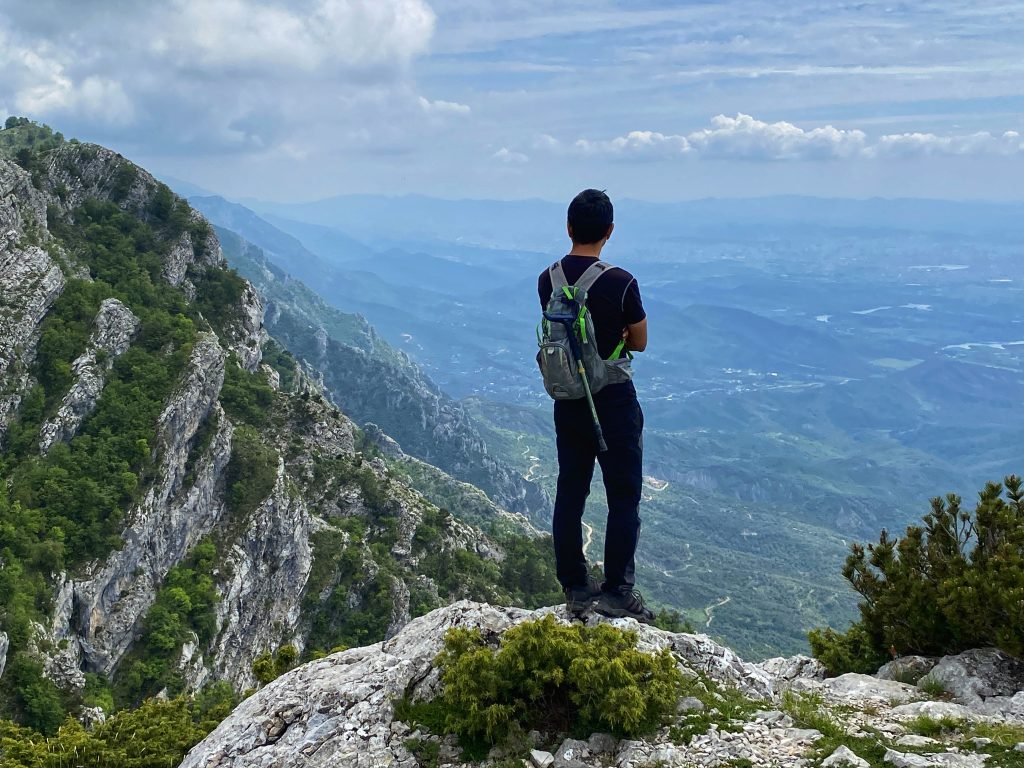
point(78, 172)
point(5, 645)
point(794, 667)
point(907, 669)
point(116, 326)
point(245, 337)
point(30, 282)
point(162, 528)
point(985, 676)
point(267, 567)
point(339, 710)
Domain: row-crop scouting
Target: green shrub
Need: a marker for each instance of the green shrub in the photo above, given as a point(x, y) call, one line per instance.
point(270, 666)
point(218, 295)
point(549, 676)
point(156, 735)
point(934, 727)
point(953, 583)
point(251, 472)
point(282, 361)
point(850, 651)
point(247, 397)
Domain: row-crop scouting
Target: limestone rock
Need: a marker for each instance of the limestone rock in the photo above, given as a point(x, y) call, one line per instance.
point(116, 326)
point(268, 566)
point(940, 760)
point(339, 711)
point(913, 740)
point(907, 669)
point(793, 667)
point(5, 645)
point(572, 753)
point(541, 759)
point(690, 704)
point(858, 688)
point(90, 717)
point(974, 676)
point(163, 527)
point(30, 282)
point(844, 756)
point(602, 743)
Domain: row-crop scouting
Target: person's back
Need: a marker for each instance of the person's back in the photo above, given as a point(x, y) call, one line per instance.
point(621, 327)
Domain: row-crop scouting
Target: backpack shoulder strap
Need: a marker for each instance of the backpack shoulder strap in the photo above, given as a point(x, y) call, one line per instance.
point(558, 281)
point(588, 278)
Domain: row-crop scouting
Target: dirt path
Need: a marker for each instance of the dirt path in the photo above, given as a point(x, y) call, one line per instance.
point(589, 530)
point(709, 611)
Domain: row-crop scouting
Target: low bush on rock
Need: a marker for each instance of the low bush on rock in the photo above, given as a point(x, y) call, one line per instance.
point(953, 583)
point(549, 676)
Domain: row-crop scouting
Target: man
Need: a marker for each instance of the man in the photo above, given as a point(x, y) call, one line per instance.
point(618, 315)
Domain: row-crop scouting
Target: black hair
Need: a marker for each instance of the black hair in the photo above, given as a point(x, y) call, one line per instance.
point(590, 215)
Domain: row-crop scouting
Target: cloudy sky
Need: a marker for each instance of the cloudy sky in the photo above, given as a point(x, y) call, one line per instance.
point(299, 99)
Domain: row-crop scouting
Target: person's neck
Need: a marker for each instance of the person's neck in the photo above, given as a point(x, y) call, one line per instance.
point(590, 250)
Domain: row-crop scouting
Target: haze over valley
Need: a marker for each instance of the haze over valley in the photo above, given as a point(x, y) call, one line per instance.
point(818, 369)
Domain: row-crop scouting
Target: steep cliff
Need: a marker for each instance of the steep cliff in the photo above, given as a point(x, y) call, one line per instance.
point(173, 505)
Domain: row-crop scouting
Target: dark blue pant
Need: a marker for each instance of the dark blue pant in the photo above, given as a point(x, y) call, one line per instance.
point(622, 421)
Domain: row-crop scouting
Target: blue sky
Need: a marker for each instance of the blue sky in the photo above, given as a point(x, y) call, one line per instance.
point(459, 98)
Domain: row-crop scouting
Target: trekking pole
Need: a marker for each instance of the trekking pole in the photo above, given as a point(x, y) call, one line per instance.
point(601, 445)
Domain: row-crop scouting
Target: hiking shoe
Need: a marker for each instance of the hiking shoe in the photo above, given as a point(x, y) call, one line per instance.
point(624, 605)
point(579, 599)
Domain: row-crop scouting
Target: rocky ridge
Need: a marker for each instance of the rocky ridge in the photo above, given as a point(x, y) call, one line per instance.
point(339, 711)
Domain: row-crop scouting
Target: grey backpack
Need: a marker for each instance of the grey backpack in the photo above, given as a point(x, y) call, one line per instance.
point(568, 357)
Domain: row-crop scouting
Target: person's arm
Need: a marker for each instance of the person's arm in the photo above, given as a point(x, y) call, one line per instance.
point(635, 317)
point(636, 336)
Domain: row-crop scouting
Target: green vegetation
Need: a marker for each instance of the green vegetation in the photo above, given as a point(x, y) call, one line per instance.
point(156, 735)
point(933, 687)
point(282, 361)
point(270, 666)
point(184, 605)
point(218, 295)
point(953, 583)
point(810, 711)
point(934, 728)
point(548, 676)
point(29, 144)
point(246, 397)
point(251, 473)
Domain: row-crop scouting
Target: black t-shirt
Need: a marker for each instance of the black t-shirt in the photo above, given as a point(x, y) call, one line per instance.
point(613, 301)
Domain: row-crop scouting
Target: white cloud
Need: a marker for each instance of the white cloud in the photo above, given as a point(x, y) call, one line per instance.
point(506, 155)
point(443, 107)
point(637, 143)
point(38, 83)
point(231, 75)
point(745, 137)
point(304, 36)
point(924, 144)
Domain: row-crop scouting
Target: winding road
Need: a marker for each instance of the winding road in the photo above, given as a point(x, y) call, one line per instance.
point(709, 611)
